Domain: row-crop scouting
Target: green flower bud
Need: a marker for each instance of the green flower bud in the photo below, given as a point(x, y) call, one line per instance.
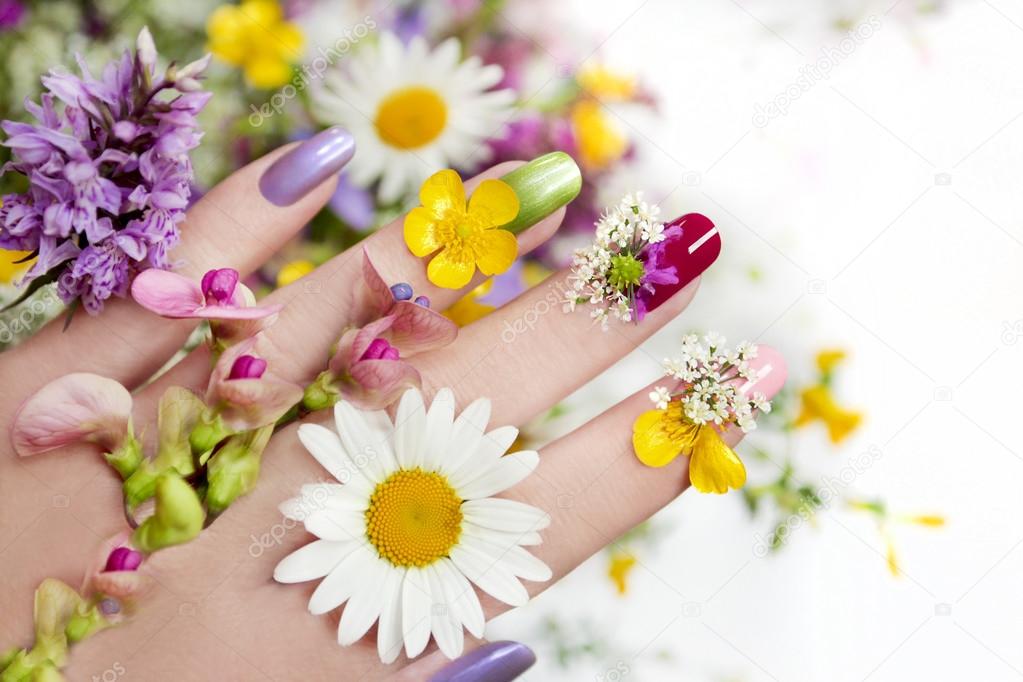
point(234, 468)
point(208, 432)
point(9, 656)
point(127, 457)
point(178, 517)
point(84, 623)
point(141, 485)
point(322, 393)
point(179, 413)
point(55, 604)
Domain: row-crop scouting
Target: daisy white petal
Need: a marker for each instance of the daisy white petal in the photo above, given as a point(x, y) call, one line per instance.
point(389, 634)
point(507, 472)
point(491, 447)
point(339, 526)
point(363, 609)
point(505, 515)
point(466, 433)
point(491, 577)
point(312, 561)
point(439, 422)
point(464, 602)
point(339, 584)
point(325, 447)
point(416, 607)
point(409, 424)
point(447, 630)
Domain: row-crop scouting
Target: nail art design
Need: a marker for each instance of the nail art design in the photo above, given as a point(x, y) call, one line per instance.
point(717, 388)
point(303, 168)
point(636, 263)
point(493, 662)
point(480, 233)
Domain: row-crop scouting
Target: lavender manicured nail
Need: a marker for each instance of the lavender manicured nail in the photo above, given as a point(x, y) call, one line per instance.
point(494, 662)
point(296, 173)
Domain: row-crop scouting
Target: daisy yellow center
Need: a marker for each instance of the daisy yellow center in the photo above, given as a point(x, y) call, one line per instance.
point(414, 517)
point(411, 117)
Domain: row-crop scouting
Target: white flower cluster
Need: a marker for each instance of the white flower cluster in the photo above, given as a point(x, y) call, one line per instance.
point(623, 229)
point(713, 377)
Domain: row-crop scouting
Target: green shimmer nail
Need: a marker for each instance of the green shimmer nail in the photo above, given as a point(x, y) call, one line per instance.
point(543, 185)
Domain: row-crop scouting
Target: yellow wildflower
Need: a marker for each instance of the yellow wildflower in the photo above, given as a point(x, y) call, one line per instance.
point(659, 436)
point(10, 268)
point(601, 82)
point(255, 36)
point(293, 271)
point(465, 234)
point(929, 520)
point(600, 142)
point(619, 567)
point(468, 309)
point(819, 404)
point(827, 360)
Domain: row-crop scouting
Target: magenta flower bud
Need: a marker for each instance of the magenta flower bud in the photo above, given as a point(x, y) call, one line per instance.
point(380, 349)
point(123, 559)
point(247, 367)
point(218, 285)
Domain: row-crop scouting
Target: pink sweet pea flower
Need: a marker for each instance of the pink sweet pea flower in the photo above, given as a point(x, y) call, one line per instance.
point(115, 572)
point(244, 393)
point(370, 367)
point(219, 296)
point(76, 407)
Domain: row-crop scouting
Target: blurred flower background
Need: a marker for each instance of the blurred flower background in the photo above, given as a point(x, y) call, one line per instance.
point(858, 157)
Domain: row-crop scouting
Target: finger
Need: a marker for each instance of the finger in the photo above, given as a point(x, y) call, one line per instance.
point(318, 307)
point(596, 489)
point(232, 226)
point(491, 662)
point(531, 337)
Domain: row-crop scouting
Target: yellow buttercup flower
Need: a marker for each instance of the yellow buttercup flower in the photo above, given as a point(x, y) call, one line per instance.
point(599, 140)
point(465, 234)
point(827, 360)
point(601, 82)
point(659, 436)
point(819, 404)
point(293, 271)
point(619, 567)
point(468, 309)
point(255, 36)
point(10, 268)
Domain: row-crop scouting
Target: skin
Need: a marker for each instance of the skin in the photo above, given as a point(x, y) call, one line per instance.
point(215, 606)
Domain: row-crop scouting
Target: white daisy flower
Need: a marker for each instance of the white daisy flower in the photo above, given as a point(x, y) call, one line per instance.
point(414, 522)
point(414, 110)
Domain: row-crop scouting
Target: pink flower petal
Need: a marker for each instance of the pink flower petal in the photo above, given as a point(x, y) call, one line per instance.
point(71, 409)
point(249, 403)
point(417, 329)
point(378, 296)
point(375, 384)
point(168, 294)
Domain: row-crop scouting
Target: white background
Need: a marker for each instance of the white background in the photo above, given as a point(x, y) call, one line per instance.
point(883, 214)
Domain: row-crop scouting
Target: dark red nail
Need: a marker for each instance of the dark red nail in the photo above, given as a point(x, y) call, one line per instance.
point(690, 253)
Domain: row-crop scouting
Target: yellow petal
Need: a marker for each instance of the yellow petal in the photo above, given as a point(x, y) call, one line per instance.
point(495, 251)
point(652, 441)
point(451, 268)
point(421, 232)
point(262, 12)
point(713, 466)
point(442, 192)
point(226, 30)
point(267, 72)
point(288, 41)
point(494, 203)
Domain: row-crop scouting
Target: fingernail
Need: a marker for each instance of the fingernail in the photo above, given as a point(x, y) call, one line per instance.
point(293, 175)
point(494, 662)
point(543, 185)
point(770, 372)
point(690, 253)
